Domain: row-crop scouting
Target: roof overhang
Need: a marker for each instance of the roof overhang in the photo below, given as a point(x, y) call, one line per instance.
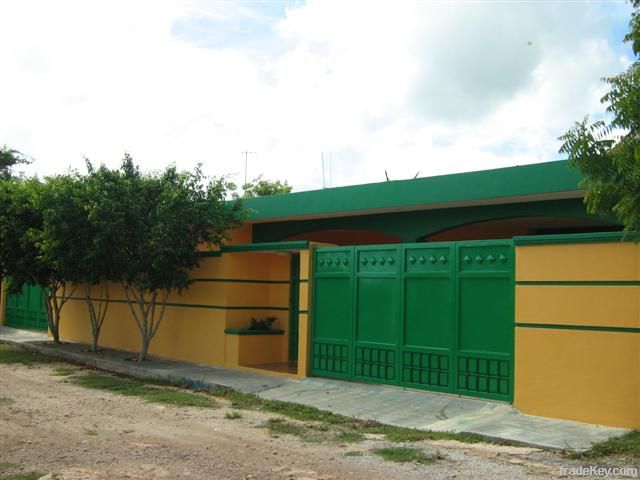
point(528, 183)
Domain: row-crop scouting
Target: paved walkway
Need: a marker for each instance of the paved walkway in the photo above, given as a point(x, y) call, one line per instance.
point(390, 405)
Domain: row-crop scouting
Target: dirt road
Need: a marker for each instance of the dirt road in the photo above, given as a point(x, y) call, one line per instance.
point(52, 426)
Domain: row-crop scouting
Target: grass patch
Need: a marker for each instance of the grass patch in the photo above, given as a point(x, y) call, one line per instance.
point(627, 444)
point(22, 476)
point(404, 455)
point(348, 426)
point(11, 354)
point(91, 433)
point(354, 453)
point(152, 394)
point(348, 437)
point(5, 466)
point(402, 435)
point(5, 401)
point(65, 371)
point(279, 426)
point(232, 415)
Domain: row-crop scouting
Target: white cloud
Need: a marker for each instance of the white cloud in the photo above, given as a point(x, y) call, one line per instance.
point(402, 86)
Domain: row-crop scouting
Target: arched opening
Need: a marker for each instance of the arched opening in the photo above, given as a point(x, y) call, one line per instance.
point(347, 237)
point(510, 227)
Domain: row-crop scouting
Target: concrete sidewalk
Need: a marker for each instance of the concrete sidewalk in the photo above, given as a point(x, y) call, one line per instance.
point(386, 404)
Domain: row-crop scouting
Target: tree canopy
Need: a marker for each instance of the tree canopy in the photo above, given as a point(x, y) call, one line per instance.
point(259, 187)
point(109, 227)
point(607, 151)
point(9, 158)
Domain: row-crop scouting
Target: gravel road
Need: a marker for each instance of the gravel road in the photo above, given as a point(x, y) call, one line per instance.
point(72, 433)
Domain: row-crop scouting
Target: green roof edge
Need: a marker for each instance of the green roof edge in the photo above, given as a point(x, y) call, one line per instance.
point(532, 179)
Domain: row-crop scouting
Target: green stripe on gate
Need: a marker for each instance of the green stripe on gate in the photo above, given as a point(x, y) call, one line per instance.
point(580, 283)
point(587, 328)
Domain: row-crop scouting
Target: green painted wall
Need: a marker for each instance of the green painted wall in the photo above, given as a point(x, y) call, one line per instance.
point(412, 226)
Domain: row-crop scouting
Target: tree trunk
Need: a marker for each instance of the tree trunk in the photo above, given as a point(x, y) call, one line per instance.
point(146, 316)
point(53, 304)
point(51, 323)
point(96, 315)
point(144, 348)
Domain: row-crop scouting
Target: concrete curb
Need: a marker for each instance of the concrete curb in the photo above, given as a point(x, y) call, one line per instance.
point(110, 366)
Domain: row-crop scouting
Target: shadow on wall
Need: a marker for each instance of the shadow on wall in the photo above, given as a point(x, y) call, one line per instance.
point(347, 237)
point(519, 226)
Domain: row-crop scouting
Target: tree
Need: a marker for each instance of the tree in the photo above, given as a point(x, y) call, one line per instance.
point(261, 188)
point(608, 152)
point(36, 228)
point(9, 158)
point(99, 222)
point(166, 218)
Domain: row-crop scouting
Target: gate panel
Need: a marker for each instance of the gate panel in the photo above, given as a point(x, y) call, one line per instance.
point(377, 313)
point(26, 309)
point(428, 315)
point(332, 325)
point(485, 328)
point(437, 316)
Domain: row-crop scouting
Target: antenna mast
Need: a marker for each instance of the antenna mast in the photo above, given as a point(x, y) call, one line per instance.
point(246, 156)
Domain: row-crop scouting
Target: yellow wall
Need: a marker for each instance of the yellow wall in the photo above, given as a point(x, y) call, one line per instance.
point(304, 305)
point(578, 356)
point(195, 332)
point(582, 262)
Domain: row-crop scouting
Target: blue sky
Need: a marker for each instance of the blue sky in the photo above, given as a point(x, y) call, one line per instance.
point(402, 86)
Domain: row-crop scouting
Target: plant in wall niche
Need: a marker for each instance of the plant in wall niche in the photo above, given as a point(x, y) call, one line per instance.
point(262, 324)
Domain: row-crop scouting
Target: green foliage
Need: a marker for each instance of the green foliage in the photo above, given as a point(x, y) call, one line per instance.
point(259, 187)
point(9, 158)
point(37, 234)
point(165, 218)
point(262, 324)
point(608, 152)
point(20, 220)
point(232, 415)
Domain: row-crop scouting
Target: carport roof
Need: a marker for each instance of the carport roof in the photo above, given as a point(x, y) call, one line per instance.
point(541, 181)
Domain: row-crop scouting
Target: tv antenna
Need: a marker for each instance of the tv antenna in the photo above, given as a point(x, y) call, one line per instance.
point(324, 177)
point(246, 154)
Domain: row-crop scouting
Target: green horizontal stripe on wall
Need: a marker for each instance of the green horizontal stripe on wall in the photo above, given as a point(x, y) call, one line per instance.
point(197, 305)
point(266, 247)
point(585, 283)
point(589, 328)
point(598, 237)
point(246, 331)
point(239, 280)
point(303, 311)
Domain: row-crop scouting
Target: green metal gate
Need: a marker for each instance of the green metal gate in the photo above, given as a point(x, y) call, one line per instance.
point(26, 309)
point(437, 316)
